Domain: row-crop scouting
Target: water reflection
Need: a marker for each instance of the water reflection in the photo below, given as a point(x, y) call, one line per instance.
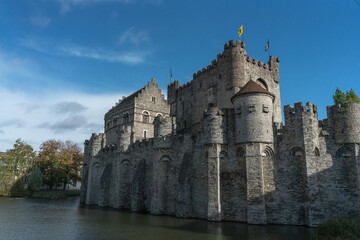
point(64, 219)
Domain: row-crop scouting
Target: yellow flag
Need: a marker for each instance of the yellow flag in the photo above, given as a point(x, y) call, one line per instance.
point(241, 30)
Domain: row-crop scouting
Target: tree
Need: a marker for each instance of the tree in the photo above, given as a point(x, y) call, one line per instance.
point(49, 161)
point(339, 98)
point(343, 99)
point(15, 163)
point(351, 97)
point(35, 179)
point(71, 162)
point(60, 163)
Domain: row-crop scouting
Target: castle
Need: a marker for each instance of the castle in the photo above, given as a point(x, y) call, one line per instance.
point(217, 149)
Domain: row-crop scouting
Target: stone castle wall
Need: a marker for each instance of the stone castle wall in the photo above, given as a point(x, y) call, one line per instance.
point(235, 161)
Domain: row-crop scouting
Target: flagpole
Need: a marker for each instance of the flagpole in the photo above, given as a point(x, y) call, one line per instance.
point(243, 34)
point(170, 75)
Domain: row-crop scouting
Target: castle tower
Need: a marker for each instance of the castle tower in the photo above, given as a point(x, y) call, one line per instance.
point(254, 131)
point(90, 184)
point(125, 137)
point(347, 123)
point(235, 54)
point(213, 136)
point(164, 126)
point(303, 142)
point(254, 114)
point(346, 127)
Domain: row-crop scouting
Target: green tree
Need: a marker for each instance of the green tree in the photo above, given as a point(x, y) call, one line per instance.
point(60, 163)
point(351, 97)
point(35, 179)
point(343, 99)
point(339, 98)
point(49, 161)
point(71, 162)
point(14, 164)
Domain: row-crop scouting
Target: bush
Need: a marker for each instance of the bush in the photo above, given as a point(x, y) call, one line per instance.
point(18, 190)
point(341, 227)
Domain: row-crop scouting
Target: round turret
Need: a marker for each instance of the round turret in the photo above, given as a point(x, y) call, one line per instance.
point(124, 137)
point(253, 114)
point(212, 125)
point(234, 55)
point(347, 123)
point(163, 126)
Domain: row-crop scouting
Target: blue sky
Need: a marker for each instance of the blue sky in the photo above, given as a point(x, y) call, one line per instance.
point(64, 63)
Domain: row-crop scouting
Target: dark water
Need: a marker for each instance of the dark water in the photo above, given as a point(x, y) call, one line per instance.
point(64, 219)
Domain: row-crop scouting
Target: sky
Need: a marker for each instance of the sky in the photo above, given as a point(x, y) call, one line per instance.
point(64, 63)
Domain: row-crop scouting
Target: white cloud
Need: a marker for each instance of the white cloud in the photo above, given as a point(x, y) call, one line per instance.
point(40, 21)
point(55, 111)
point(72, 50)
point(45, 122)
point(133, 36)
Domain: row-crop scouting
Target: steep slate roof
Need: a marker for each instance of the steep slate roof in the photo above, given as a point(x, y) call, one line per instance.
point(251, 87)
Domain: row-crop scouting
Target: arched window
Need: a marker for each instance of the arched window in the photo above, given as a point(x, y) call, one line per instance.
point(125, 162)
point(97, 164)
point(126, 117)
point(296, 151)
point(317, 152)
point(223, 155)
point(240, 152)
point(145, 116)
point(345, 152)
point(165, 158)
point(159, 115)
point(145, 133)
point(262, 83)
point(268, 152)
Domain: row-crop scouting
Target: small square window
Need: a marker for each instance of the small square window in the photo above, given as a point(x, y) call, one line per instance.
point(252, 108)
point(265, 108)
point(153, 99)
point(238, 110)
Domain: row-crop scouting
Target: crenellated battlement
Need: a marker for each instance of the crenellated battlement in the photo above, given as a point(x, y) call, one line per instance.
point(231, 44)
point(96, 136)
point(346, 123)
point(299, 109)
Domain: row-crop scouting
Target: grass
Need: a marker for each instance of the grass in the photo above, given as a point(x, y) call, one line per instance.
point(53, 194)
point(339, 228)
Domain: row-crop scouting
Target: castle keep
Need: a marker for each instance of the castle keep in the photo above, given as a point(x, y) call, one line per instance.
point(217, 149)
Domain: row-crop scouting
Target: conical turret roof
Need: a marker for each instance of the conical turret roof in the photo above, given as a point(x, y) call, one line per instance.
point(251, 87)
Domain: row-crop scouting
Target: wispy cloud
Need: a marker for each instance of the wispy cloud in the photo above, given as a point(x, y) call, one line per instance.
point(133, 36)
point(40, 21)
point(72, 50)
point(68, 107)
point(12, 122)
point(103, 55)
point(66, 5)
point(70, 123)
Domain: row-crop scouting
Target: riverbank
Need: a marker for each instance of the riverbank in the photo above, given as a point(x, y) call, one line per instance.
point(56, 194)
point(47, 194)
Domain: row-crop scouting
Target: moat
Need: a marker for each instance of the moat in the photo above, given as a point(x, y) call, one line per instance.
point(65, 219)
